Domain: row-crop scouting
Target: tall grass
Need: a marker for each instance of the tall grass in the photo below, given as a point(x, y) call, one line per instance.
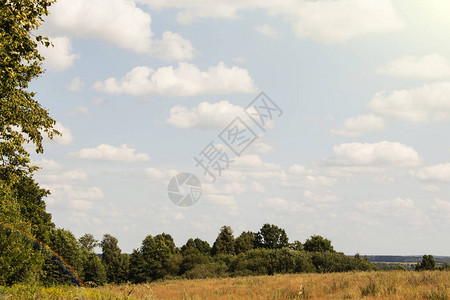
point(352, 285)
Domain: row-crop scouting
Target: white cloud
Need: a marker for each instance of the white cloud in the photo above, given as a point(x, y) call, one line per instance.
point(430, 102)
point(184, 80)
point(260, 148)
point(430, 188)
point(61, 192)
point(116, 21)
point(257, 187)
point(70, 175)
point(382, 154)
point(397, 207)
point(439, 172)
point(359, 125)
point(384, 180)
point(80, 110)
point(206, 115)
point(124, 153)
point(278, 203)
point(267, 30)
point(297, 169)
point(59, 57)
point(431, 66)
point(75, 85)
point(65, 138)
point(239, 59)
point(173, 47)
point(157, 174)
point(253, 162)
point(325, 21)
point(48, 165)
point(320, 197)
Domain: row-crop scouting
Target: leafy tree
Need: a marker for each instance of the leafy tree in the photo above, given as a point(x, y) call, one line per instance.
point(427, 263)
point(93, 269)
point(198, 244)
point(116, 263)
point(224, 243)
point(138, 271)
point(88, 242)
point(271, 237)
point(156, 252)
point(296, 245)
point(245, 242)
point(318, 244)
point(22, 119)
point(33, 208)
point(64, 243)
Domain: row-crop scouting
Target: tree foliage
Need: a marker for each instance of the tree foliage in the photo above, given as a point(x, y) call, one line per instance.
point(271, 237)
point(224, 243)
point(22, 119)
point(318, 244)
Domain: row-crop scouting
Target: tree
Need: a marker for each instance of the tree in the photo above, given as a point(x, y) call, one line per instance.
point(138, 271)
point(116, 263)
point(224, 243)
point(22, 119)
point(64, 243)
point(245, 242)
point(93, 269)
point(296, 245)
point(198, 244)
point(156, 252)
point(88, 242)
point(318, 244)
point(427, 263)
point(271, 237)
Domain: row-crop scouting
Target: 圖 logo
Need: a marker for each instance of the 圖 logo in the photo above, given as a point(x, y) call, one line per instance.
point(184, 189)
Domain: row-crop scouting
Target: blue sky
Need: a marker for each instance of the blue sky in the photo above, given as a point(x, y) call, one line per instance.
point(360, 154)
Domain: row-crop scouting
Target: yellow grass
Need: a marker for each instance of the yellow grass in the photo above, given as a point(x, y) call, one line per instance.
point(356, 285)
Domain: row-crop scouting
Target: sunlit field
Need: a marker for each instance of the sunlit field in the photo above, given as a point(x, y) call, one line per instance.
point(354, 285)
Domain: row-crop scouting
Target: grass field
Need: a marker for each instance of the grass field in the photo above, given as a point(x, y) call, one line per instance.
point(355, 285)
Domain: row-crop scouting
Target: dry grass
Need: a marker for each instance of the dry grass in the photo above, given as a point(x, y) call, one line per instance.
point(355, 285)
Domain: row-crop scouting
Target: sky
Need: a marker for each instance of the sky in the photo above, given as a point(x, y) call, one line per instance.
point(357, 152)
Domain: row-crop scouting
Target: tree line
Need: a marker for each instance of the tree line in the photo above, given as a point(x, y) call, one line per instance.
point(265, 252)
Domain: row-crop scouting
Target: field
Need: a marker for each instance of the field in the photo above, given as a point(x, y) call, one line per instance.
point(355, 285)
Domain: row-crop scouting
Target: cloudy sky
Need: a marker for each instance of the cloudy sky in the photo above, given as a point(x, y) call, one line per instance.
point(360, 155)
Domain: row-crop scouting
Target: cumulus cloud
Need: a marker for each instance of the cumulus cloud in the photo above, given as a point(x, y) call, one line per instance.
point(267, 30)
point(74, 197)
point(79, 110)
point(157, 174)
point(278, 204)
point(184, 80)
point(66, 137)
point(59, 57)
point(123, 153)
point(431, 66)
point(320, 197)
point(397, 207)
point(75, 85)
point(173, 47)
point(325, 21)
point(430, 102)
point(359, 125)
point(70, 175)
point(205, 116)
point(116, 21)
point(382, 154)
point(440, 172)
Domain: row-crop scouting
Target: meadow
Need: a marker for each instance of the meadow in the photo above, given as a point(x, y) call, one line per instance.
point(351, 285)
